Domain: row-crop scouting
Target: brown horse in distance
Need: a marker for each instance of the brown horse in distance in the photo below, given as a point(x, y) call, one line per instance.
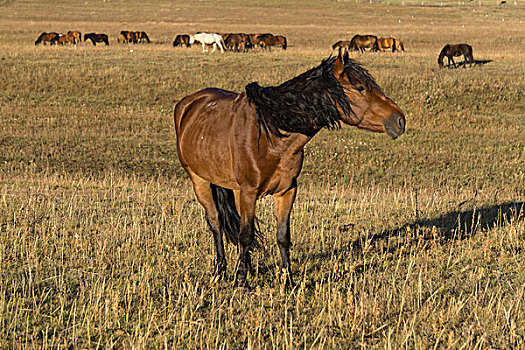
point(76, 34)
point(342, 46)
point(96, 38)
point(454, 50)
point(182, 39)
point(362, 42)
point(239, 147)
point(46, 38)
point(266, 41)
point(387, 43)
point(142, 36)
point(63, 39)
point(238, 42)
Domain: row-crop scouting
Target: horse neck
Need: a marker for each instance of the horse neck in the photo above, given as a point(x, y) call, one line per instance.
point(292, 143)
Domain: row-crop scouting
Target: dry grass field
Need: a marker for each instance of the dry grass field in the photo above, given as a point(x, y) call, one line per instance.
point(416, 243)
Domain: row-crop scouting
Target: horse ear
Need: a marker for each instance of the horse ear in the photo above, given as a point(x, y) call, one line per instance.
point(339, 65)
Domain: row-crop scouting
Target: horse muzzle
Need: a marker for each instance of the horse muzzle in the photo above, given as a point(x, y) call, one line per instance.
point(395, 125)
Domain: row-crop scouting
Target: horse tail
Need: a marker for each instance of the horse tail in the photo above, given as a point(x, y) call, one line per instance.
point(393, 44)
point(146, 37)
point(285, 45)
point(229, 218)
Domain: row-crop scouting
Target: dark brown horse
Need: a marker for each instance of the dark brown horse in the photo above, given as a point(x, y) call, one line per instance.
point(76, 34)
point(46, 38)
point(451, 50)
point(182, 39)
point(362, 42)
point(96, 38)
point(266, 41)
point(238, 42)
point(239, 147)
point(255, 36)
point(142, 36)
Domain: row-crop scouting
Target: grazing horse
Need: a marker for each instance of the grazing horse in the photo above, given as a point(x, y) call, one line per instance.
point(342, 46)
point(76, 34)
point(62, 39)
point(96, 38)
point(208, 38)
point(123, 36)
point(46, 38)
point(451, 50)
point(387, 43)
point(239, 147)
point(141, 36)
point(238, 42)
point(399, 45)
point(361, 42)
point(182, 39)
point(266, 41)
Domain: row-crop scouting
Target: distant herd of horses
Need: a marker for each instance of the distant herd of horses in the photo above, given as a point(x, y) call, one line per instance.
point(242, 42)
point(237, 42)
point(372, 42)
point(75, 37)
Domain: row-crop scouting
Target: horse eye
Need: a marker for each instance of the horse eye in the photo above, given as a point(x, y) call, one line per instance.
point(360, 88)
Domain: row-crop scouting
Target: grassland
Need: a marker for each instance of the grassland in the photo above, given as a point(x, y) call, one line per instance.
point(413, 243)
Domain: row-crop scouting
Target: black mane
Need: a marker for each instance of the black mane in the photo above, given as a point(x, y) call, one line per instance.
point(308, 102)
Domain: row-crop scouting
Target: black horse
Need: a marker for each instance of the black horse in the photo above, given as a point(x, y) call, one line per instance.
point(96, 38)
point(451, 50)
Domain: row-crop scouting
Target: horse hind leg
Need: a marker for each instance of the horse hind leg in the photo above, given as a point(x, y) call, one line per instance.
point(205, 196)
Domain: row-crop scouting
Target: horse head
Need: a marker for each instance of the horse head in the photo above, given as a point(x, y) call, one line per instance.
point(371, 109)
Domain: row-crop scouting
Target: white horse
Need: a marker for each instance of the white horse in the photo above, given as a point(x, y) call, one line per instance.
point(208, 38)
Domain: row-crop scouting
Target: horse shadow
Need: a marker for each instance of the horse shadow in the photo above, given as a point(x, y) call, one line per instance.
point(476, 63)
point(454, 225)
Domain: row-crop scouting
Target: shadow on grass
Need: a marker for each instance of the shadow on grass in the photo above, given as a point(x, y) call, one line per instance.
point(464, 64)
point(456, 224)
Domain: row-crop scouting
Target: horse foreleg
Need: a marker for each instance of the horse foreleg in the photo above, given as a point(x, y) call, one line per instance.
point(246, 202)
point(283, 208)
point(220, 47)
point(452, 59)
point(204, 195)
point(203, 46)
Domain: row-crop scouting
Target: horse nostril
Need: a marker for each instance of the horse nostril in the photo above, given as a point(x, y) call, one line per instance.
point(401, 122)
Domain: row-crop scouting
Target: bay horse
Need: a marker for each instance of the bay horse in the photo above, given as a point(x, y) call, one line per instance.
point(76, 34)
point(451, 50)
point(361, 42)
point(182, 39)
point(341, 45)
point(387, 43)
point(62, 39)
point(266, 41)
point(240, 147)
point(46, 38)
point(96, 38)
point(238, 42)
point(207, 39)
